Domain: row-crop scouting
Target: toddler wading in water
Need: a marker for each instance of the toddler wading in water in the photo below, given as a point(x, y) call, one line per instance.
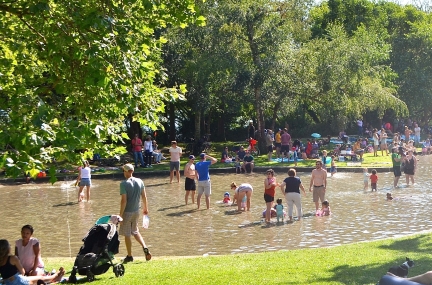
point(325, 208)
point(279, 210)
point(374, 180)
point(365, 178)
point(333, 166)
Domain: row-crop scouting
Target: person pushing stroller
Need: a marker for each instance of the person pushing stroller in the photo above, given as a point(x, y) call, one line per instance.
point(132, 190)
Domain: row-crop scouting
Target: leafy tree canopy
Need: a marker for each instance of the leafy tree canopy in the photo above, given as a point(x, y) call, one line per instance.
point(72, 71)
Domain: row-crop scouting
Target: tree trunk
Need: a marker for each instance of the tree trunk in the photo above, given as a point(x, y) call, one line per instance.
point(135, 128)
point(258, 83)
point(197, 124)
point(274, 117)
point(260, 119)
point(207, 126)
point(221, 129)
point(172, 129)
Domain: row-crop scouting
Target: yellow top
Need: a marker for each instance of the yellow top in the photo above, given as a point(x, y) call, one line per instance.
point(278, 138)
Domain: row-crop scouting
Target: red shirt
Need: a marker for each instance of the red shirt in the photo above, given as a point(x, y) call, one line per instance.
point(271, 191)
point(136, 144)
point(374, 178)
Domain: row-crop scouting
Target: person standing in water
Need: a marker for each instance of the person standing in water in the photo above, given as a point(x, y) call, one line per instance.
point(191, 175)
point(319, 183)
point(204, 184)
point(85, 181)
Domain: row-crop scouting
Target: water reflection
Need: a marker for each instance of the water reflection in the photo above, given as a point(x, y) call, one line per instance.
point(176, 229)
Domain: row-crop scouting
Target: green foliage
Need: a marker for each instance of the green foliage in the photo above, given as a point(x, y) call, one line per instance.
point(360, 263)
point(72, 71)
point(398, 26)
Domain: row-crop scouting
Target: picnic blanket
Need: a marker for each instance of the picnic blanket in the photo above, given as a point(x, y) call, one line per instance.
point(285, 159)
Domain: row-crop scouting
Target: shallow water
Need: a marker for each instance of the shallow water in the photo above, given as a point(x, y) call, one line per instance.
point(178, 230)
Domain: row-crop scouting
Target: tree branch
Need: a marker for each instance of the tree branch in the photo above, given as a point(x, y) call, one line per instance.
point(32, 29)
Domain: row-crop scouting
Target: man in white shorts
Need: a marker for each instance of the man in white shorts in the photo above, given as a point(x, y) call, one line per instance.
point(204, 185)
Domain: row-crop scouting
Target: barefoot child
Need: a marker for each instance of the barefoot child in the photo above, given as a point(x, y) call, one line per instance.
point(365, 178)
point(333, 166)
point(325, 208)
point(237, 165)
point(389, 197)
point(324, 159)
point(374, 180)
point(279, 210)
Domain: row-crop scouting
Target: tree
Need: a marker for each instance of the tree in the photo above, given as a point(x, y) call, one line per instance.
point(257, 29)
point(71, 72)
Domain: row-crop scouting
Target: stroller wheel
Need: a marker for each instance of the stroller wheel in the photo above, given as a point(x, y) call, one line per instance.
point(90, 276)
point(119, 270)
point(72, 279)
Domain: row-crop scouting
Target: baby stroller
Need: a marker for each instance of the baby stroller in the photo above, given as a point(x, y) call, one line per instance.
point(100, 245)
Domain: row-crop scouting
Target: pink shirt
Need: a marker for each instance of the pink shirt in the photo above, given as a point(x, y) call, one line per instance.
point(26, 254)
point(285, 139)
point(136, 144)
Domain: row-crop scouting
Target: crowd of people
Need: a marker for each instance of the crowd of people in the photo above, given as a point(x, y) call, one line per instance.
point(26, 264)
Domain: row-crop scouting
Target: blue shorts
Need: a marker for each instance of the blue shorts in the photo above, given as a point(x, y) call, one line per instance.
point(17, 279)
point(85, 182)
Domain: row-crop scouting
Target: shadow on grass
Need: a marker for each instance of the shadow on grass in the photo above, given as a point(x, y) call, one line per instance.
point(371, 273)
point(411, 245)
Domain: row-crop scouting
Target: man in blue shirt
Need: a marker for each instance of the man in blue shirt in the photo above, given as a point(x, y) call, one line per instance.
point(204, 185)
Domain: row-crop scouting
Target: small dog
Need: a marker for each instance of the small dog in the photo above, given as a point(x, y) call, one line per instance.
point(402, 270)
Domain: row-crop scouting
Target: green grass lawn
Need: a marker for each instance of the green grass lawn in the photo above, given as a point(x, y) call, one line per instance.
point(359, 263)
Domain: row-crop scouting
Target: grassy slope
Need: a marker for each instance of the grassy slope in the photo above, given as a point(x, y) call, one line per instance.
point(261, 161)
point(360, 263)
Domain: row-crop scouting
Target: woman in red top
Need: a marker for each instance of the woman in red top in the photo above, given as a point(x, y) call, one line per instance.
point(308, 148)
point(269, 193)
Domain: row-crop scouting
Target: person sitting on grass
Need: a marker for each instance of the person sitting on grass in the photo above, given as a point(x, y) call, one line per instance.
point(248, 161)
point(224, 154)
point(241, 153)
point(357, 149)
point(28, 250)
point(425, 279)
point(12, 271)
